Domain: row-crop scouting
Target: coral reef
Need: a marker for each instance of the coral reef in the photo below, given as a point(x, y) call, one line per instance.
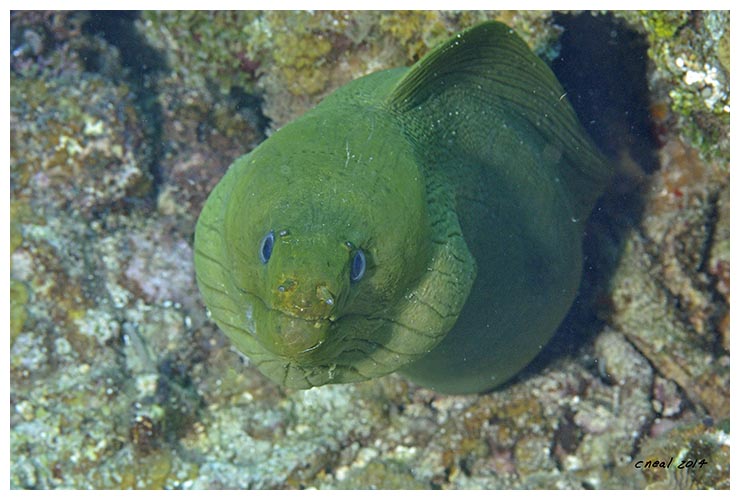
point(690, 51)
point(120, 380)
point(80, 146)
point(293, 59)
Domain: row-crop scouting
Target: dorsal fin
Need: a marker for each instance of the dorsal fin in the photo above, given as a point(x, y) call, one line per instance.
point(496, 68)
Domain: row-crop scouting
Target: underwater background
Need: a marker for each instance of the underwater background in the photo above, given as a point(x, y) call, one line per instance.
point(122, 122)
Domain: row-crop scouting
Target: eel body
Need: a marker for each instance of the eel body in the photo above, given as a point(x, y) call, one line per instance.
point(426, 220)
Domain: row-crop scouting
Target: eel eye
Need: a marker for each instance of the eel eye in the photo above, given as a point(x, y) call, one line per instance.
point(266, 247)
point(357, 268)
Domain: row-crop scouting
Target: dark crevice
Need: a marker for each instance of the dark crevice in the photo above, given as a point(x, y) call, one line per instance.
point(141, 63)
point(250, 105)
point(117, 28)
point(710, 223)
point(603, 67)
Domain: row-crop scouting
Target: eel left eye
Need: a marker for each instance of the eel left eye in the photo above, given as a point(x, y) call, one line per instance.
point(357, 268)
point(266, 247)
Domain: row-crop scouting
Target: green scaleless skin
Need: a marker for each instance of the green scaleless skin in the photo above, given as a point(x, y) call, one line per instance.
point(465, 180)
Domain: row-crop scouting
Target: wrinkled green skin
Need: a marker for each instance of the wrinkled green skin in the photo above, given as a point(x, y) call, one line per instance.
point(467, 195)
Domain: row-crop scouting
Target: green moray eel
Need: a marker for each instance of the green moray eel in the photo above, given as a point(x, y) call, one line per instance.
point(424, 220)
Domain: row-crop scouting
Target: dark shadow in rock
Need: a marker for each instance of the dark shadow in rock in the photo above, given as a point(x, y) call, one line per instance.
point(250, 105)
point(603, 67)
point(142, 63)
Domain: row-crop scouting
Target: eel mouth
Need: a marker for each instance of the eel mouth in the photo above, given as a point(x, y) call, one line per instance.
point(292, 337)
point(285, 333)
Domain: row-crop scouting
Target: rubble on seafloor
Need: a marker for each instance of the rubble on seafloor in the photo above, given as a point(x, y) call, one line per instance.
point(120, 380)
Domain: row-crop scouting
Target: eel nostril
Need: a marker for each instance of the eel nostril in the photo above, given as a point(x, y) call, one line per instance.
point(286, 285)
point(324, 294)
